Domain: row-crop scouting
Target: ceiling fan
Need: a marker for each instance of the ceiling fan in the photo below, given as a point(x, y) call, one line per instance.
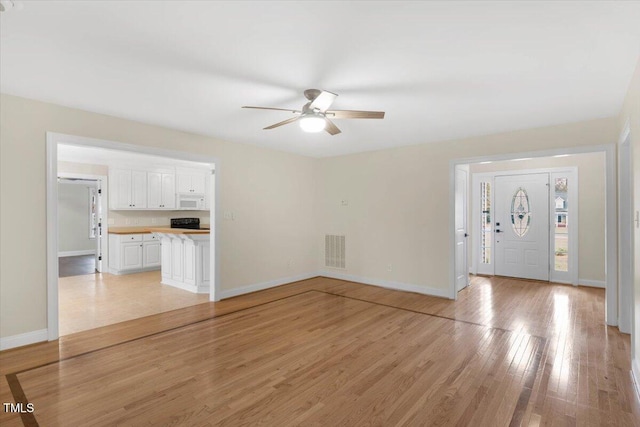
point(315, 114)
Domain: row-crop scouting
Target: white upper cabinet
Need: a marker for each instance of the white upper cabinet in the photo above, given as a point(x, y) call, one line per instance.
point(161, 190)
point(168, 190)
point(120, 188)
point(128, 189)
point(191, 180)
point(156, 187)
point(138, 189)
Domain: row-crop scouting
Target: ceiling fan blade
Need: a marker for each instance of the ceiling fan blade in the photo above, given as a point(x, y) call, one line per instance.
point(271, 108)
point(323, 101)
point(284, 122)
point(331, 127)
point(352, 114)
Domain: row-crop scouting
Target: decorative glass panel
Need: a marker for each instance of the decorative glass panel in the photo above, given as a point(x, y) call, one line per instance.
point(93, 215)
point(486, 234)
point(561, 235)
point(520, 212)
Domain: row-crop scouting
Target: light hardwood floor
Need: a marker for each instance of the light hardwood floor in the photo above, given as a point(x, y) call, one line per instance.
point(94, 300)
point(329, 352)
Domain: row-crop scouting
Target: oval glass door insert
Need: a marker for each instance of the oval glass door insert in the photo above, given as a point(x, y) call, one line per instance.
point(520, 212)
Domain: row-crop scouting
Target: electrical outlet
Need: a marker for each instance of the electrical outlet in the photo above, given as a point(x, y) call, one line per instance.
point(136, 221)
point(344, 203)
point(291, 263)
point(154, 221)
point(228, 215)
point(127, 221)
point(389, 267)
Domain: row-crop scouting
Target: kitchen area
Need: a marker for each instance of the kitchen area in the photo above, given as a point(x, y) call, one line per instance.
point(152, 234)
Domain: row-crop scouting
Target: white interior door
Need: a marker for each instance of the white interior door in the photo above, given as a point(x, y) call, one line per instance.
point(521, 225)
point(461, 262)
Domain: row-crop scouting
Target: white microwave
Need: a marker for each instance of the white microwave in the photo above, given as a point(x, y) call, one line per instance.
point(190, 201)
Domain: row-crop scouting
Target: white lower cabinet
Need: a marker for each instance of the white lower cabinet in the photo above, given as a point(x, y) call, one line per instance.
point(132, 253)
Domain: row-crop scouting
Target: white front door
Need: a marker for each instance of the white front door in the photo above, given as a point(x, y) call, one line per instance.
point(462, 269)
point(521, 225)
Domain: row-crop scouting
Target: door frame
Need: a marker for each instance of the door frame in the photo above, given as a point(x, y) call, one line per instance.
point(625, 230)
point(465, 219)
point(52, 141)
point(572, 228)
point(611, 218)
point(104, 186)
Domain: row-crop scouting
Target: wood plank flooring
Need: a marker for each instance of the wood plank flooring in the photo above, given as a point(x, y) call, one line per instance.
point(329, 352)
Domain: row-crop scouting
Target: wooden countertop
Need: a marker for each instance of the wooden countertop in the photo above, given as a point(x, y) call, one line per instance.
point(170, 230)
point(147, 229)
point(129, 230)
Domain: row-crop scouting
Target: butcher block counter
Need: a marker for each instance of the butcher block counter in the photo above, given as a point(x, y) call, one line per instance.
point(170, 230)
point(147, 229)
point(129, 230)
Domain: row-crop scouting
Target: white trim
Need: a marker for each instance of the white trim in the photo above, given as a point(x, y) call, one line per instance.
point(635, 375)
point(399, 286)
point(185, 286)
point(611, 236)
point(23, 339)
point(131, 271)
point(625, 231)
point(592, 283)
point(76, 253)
point(228, 293)
point(611, 220)
point(52, 141)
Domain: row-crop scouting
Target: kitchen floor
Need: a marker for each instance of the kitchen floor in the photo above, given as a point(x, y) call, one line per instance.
point(93, 300)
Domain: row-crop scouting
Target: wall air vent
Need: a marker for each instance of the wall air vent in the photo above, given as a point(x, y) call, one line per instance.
point(334, 251)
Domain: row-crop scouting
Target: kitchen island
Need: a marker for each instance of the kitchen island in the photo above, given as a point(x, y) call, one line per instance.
point(184, 258)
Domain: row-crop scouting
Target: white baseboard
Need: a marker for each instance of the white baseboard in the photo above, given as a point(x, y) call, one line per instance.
point(228, 293)
point(24, 339)
point(202, 289)
point(77, 253)
point(592, 283)
point(399, 286)
point(635, 373)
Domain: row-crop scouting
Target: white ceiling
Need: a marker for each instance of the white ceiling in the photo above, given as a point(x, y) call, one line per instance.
point(440, 70)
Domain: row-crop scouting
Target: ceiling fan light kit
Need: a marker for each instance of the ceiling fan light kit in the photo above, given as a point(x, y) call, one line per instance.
point(314, 114)
point(312, 123)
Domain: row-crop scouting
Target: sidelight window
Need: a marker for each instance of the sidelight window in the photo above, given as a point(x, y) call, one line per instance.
point(486, 228)
point(561, 223)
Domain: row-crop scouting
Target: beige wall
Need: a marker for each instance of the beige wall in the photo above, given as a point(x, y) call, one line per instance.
point(398, 211)
point(83, 168)
point(631, 113)
point(73, 218)
point(269, 192)
point(591, 204)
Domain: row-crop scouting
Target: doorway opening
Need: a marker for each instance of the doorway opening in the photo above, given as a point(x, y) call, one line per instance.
point(124, 280)
point(80, 218)
point(561, 245)
point(525, 222)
